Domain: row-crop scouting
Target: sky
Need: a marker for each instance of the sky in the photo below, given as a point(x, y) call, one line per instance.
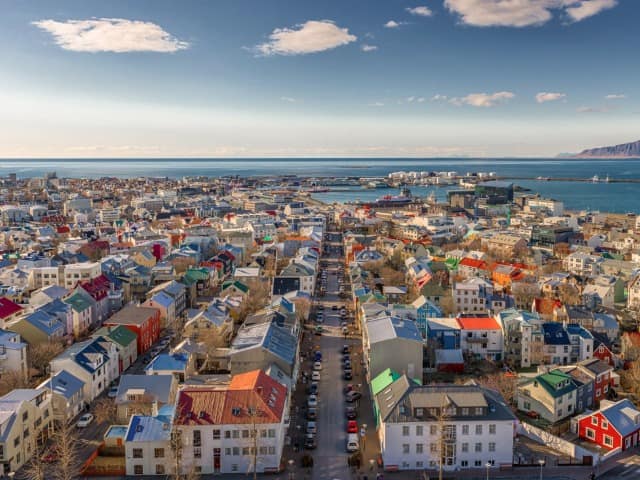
point(330, 78)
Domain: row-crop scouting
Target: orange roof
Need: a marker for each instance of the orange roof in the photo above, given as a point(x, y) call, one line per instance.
point(546, 306)
point(478, 323)
point(473, 263)
point(221, 406)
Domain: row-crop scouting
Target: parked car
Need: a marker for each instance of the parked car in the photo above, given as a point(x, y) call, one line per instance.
point(317, 365)
point(348, 388)
point(352, 426)
point(315, 376)
point(313, 389)
point(310, 441)
point(312, 413)
point(312, 427)
point(352, 443)
point(85, 420)
point(317, 357)
point(335, 307)
point(347, 375)
point(318, 330)
point(353, 396)
point(113, 392)
point(351, 413)
point(312, 401)
point(345, 349)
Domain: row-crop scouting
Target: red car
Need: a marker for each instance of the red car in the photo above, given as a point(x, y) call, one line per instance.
point(352, 426)
point(49, 457)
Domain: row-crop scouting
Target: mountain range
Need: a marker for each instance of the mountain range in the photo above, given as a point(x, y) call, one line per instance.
point(624, 150)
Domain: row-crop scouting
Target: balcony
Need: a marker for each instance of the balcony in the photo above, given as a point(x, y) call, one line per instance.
point(477, 340)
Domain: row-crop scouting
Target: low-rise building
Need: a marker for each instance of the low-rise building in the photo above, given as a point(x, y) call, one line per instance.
point(616, 425)
point(481, 336)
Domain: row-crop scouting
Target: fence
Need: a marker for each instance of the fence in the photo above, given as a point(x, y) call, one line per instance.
point(556, 443)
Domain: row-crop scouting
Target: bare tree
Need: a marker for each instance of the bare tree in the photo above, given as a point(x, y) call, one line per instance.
point(630, 378)
point(503, 383)
point(34, 469)
point(66, 449)
point(105, 410)
point(11, 380)
point(41, 354)
point(303, 308)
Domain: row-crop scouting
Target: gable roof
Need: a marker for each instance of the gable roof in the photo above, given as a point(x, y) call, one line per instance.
point(64, 383)
point(623, 415)
point(477, 322)
point(8, 307)
point(156, 386)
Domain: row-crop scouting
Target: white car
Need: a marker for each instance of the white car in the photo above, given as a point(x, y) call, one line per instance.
point(85, 420)
point(312, 401)
point(317, 366)
point(315, 376)
point(113, 392)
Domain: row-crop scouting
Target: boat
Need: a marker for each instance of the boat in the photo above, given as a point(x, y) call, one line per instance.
point(393, 200)
point(318, 190)
point(595, 179)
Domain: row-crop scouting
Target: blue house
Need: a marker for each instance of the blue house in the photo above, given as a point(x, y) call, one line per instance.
point(444, 332)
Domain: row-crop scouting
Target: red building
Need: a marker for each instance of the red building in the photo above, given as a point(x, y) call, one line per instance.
point(8, 309)
point(143, 321)
point(600, 373)
point(615, 425)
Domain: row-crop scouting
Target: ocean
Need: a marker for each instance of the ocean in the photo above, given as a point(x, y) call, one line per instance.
point(614, 197)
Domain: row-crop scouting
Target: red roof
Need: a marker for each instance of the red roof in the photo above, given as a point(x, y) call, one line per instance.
point(478, 323)
point(98, 287)
point(253, 390)
point(473, 263)
point(546, 306)
point(8, 307)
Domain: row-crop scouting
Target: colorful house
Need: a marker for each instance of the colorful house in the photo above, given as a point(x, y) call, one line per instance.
point(615, 425)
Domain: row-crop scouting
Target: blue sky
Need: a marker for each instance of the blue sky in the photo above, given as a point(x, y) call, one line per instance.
point(89, 78)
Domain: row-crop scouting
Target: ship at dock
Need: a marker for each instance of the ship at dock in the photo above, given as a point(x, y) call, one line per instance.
point(403, 198)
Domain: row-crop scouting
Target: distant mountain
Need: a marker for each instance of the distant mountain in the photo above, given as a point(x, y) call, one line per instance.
point(624, 150)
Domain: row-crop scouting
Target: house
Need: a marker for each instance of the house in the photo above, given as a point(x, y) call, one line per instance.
point(444, 333)
point(125, 341)
point(148, 444)
point(418, 271)
point(165, 303)
point(176, 290)
point(98, 289)
point(518, 327)
point(47, 294)
point(234, 288)
point(616, 425)
point(25, 422)
point(48, 323)
point(390, 342)
point(214, 321)
point(601, 375)
point(143, 321)
point(552, 395)
point(219, 426)
point(142, 394)
point(583, 264)
point(68, 396)
point(258, 346)
point(505, 245)
point(630, 346)
point(177, 364)
point(94, 362)
point(454, 426)
point(603, 350)
point(13, 354)
point(82, 313)
point(481, 336)
point(471, 295)
point(633, 299)
point(9, 310)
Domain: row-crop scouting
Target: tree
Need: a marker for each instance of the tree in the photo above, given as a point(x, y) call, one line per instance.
point(503, 383)
point(11, 380)
point(41, 354)
point(630, 378)
point(447, 305)
point(65, 447)
point(106, 410)
point(303, 308)
point(569, 294)
point(34, 469)
point(391, 276)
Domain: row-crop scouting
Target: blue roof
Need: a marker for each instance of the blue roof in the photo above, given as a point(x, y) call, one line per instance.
point(169, 362)
point(281, 342)
point(574, 329)
point(156, 386)
point(7, 339)
point(148, 429)
point(622, 415)
point(163, 299)
point(45, 322)
point(84, 353)
point(65, 384)
point(555, 334)
point(406, 329)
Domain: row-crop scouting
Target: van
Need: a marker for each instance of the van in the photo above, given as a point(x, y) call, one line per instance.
point(352, 443)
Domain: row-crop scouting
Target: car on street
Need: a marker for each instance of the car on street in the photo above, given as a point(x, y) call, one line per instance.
point(347, 375)
point(49, 456)
point(352, 443)
point(313, 389)
point(318, 330)
point(85, 420)
point(317, 356)
point(312, 427)
point(353, 396)
point(348, 388)
point(346, 365)
point(345, 330)
point(310, 441)
point(312, 401)
point(317, 365)
point(335, 307)
point(315, 376)
point(345, 349)
point(312, 413)
point(320, 307)
point(113, 392)
point(351, 413)
point(352, 426)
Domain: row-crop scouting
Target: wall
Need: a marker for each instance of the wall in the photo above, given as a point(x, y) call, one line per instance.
point(556, 443)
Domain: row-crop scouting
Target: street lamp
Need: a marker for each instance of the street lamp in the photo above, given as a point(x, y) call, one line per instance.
point(488, 465)
point(541, 463)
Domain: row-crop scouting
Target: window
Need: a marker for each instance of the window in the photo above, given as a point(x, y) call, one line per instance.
point(272, 450)
point(405, 431)
point(419, 412)
point(478, 410)
point(478, 429)
point(605, 424)
point(234, 467)
point(235, 434)
point(227, 451)
point(419, 430)
point(272, 433)
point(263, 434)
point(478, 447)
point(159, 469)
point(216, 434)
point(464, 463)
point(245, 433)
point(492, 429)
point(478, 463)
point(465, 411)
point(158, 452)
point(465, 447)
point(591, 434)
point(405, 448)
point(25, 416)
point(608, 440)
point(236, 451)
point(227, 434)
point(465, 429)
point(433, 429)
point(419, 448)
point(138, 470)
point(197, 438)
point(419, 464)
point(197, 452)
point(492, 447)
point(245, 451)
point(137, 453)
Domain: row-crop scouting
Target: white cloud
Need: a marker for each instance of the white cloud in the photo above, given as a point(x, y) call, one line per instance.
point(375, 104)
point(288, 99)
point(111, 35)
point(543, 97)
point(483, 100)
point(439, 98)
point(523, 13)
point(615, 96)
point(368, 48)
point(420, 11)
point(310, 37)
point(392, 24)
point(579, 10)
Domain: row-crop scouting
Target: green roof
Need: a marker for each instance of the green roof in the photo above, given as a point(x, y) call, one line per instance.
point(452, 263)
point(78, 302)
point(383, 380)
point(239, 285)
point(119, 334)
point(554, 383)
point(197, 274)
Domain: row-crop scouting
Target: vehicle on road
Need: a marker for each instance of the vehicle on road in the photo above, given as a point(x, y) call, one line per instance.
point(317, 356)
point(113, 392)
point(352, 443)
point(313, 389)
point(312, 413)
point(351, 413)
point(335, 307)
point(345, 330)
point(347, 375)
point(85, 420)
point(312, 427)
point(349, 387)
point(49, 456)
point(352, 426)
point(315, 376)
point(317, 365)
point(318, 330)
point(353, 396)
point(345, 349)
point(312, 401)
point(310, 441)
